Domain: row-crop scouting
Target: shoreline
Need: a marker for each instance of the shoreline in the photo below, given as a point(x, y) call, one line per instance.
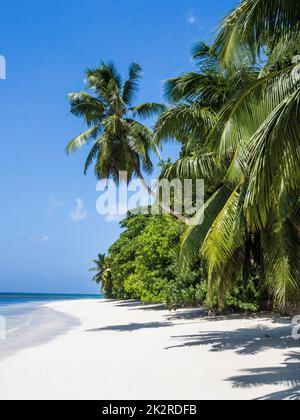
point(46, 324)
point(126, 351)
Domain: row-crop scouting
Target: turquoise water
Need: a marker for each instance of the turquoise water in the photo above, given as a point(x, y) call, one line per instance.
point(20, 309)
point(13, 298)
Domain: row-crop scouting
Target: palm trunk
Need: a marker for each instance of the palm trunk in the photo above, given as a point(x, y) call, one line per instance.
point(162, 205)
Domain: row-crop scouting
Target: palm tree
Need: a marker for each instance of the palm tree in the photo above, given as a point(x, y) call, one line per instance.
point(102, 275)
point(260, 130)
point(120, 142)
point(197, 97)
point(251, 219)
point(99, 268)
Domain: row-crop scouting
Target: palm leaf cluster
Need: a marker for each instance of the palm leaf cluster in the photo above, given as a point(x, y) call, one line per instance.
point(120, 143)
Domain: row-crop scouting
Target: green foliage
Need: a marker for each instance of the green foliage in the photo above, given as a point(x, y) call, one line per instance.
point(143, 260)
point(122, 255)
point(142, 264)
point(255, 139)
point(237, 118)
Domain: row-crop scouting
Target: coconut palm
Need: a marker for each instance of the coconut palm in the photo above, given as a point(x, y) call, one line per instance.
point(197, 97)
point(249, 222)
point(260, 130)
point(102, 275)
point(120, 142)
point(99, 268)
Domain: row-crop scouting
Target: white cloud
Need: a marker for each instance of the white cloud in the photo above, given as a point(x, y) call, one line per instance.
point(79, 213)
point(191, 19)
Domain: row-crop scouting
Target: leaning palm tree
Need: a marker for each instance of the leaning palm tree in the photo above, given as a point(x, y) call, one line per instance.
point(120, 142)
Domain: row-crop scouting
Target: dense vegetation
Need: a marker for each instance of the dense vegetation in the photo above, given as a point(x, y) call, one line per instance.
point(237, 118)
point(142, 264)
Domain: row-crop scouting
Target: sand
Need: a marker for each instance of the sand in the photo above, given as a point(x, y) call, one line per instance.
point(122, 350)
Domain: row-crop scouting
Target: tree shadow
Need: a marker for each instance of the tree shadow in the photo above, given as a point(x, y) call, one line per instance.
point(137, 305)
point(288, 375)
point(187, 314)
point(245, 341)
point(127, 303)
point(108, 301)
point(158, 307)
point(133, 327)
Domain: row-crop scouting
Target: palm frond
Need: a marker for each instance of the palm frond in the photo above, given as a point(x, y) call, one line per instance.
point(253, 25)
point(194, 235)
point(131, 86)
point(274, 159)
point(225, 237)
point(94, 152)
point(86, 106)
point(281, 259)
point(184, 121)
point(148, 110)
point(204, 166)
point(82, 139)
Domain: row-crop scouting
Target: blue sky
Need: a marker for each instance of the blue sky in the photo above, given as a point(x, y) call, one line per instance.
point(47, 45)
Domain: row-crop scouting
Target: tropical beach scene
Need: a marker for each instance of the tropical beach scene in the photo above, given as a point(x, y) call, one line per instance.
point(150, 178)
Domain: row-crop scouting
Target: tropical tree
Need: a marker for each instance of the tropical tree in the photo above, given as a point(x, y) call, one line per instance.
point(196, 99)
point(260, 131)
point(99, 268)
point(120, 142)
point(102, 274)
point(249, 221)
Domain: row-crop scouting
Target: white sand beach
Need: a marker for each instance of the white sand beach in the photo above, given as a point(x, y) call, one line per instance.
point(122, 350)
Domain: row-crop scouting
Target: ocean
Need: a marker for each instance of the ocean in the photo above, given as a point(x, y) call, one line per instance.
point(20, 310)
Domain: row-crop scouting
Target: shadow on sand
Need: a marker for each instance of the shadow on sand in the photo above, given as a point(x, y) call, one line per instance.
point(187, 314)
point(288, 375)
point(244, 341)
point(247, 341)
point(251, 341)
point(136, 306)
point(133, 327)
